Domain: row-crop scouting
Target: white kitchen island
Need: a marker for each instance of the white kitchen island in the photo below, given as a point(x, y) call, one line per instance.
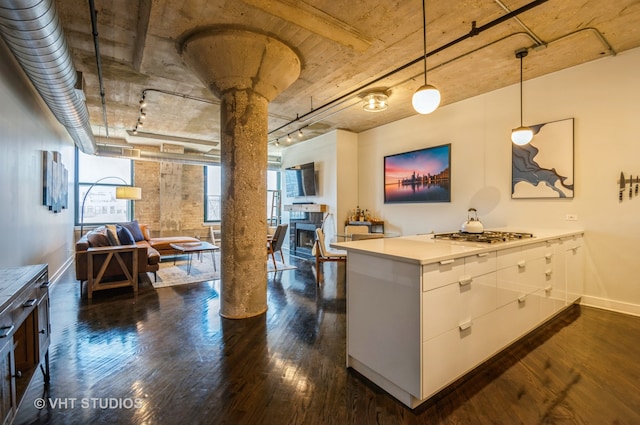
point(422, 312)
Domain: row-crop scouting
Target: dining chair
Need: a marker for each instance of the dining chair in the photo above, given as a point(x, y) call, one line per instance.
point(350, 230)
point(274, 244)
point(323, 254)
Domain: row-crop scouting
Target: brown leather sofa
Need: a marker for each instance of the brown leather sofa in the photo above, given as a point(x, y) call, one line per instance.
point(150, 251)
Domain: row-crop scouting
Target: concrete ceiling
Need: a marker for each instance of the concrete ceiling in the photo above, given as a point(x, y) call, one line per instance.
point(347, 48)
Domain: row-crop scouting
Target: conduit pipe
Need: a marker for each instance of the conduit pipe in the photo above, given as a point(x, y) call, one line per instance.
point(33, 32)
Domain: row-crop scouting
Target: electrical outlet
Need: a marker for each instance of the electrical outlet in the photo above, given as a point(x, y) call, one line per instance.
point(571, 217)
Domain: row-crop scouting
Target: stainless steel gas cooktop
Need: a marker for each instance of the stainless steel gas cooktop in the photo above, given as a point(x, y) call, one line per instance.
point(484, 237)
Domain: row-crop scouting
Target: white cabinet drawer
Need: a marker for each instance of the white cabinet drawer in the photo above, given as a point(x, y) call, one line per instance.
point(442, 273)
point(551, 301)
point(479, 264)
point(449, 306)
point(537, 250)
point(452, 354)
point(508, 257)
point(515, 319)
point(445, 272)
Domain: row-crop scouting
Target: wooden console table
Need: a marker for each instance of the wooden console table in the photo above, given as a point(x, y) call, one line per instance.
point(375, 226)
point(24, 333)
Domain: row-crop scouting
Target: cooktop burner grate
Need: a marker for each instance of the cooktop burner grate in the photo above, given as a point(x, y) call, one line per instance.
point(484, 237)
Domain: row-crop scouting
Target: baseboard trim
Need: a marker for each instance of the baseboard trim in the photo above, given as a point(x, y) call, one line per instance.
point(612, 305)
point(54, 277)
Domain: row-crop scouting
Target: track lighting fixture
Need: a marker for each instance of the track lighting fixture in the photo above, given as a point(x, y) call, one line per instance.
point(277, 142)
point(289, 138)
point(521, 135)
point(427, 98)
point(300, 133)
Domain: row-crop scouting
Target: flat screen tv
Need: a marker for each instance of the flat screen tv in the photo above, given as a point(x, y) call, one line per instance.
point(300, 180)
point(423, 175)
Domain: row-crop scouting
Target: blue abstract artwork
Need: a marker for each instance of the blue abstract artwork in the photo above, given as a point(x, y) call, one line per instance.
point(544, 167)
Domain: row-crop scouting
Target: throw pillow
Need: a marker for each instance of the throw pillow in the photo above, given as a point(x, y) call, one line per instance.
point(112, 234)
point(134, 228)
point(98, 237)
point(144, 228)
point(125, 236)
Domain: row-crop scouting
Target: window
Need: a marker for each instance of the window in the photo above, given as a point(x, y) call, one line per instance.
point(213, 192)
point(97, 178)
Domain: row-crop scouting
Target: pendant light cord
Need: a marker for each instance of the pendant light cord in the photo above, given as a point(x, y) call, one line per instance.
point(424, 39)
point(521, 56)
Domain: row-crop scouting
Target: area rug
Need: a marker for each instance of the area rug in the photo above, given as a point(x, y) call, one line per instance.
point(201, 271)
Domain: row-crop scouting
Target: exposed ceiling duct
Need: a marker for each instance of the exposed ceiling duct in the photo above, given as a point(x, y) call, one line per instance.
point(32, 30)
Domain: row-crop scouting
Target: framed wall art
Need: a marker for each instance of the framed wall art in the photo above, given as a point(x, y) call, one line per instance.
point(544, 167)
point(423, 175)
point(55, 182)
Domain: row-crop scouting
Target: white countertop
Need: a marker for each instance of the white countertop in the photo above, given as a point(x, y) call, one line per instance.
point(424, 249)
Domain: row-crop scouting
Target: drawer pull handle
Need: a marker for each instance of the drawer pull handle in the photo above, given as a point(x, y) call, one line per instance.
point(522, 298)
point(5, 331)
point(548, 256)
point(548, 272)
point(464, 326)
point(445, 262)
point(465, 280)
point(483, 254)
point(548, 289)
point(29, 303)
point(45, 284)
point(522, 263)
point(574, 249)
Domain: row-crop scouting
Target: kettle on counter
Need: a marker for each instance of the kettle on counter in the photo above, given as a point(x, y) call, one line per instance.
point(473, 223)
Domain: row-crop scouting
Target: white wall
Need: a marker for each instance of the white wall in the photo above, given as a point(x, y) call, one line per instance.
point(602, 96)
point(31, 234)
point(336, 162)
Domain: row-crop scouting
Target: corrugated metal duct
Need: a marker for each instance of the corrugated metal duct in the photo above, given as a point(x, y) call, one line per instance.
point(32, 30)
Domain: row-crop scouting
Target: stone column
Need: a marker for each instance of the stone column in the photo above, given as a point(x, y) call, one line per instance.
point(245, 70)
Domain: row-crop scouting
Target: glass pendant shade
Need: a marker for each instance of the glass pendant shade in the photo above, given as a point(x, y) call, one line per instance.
point(521, 135)
point(426, 99)
point(375, 102)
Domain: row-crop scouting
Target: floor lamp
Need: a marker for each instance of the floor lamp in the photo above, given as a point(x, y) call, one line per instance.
point(122, 192)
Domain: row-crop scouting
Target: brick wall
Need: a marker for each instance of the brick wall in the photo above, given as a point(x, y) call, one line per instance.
point(172, 201)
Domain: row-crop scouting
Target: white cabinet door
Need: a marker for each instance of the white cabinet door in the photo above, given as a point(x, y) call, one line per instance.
point(574, 269)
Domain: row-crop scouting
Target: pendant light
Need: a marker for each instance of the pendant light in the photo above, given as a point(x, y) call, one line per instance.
point(427, 98)
point(521, 135)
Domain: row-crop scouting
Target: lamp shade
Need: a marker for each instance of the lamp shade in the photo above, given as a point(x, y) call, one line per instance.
point(521, 135)
point(426, 99)
point(128, 192)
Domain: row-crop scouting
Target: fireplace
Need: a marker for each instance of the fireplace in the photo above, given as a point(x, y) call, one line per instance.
point(305, 237)
point(302, 233)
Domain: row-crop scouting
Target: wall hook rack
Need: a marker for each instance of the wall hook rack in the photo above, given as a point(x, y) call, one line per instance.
point(632, 183)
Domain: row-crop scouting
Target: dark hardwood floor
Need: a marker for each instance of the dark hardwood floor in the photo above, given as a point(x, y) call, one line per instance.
point(165, 356)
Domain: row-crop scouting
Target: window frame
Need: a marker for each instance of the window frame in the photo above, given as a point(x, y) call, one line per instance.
point(107, 183)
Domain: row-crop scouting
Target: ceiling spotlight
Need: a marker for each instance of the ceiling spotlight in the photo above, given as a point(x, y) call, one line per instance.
point(143, 115)
point(289, 138)
point(142, 102)
point(277, 142)
point(427, 98)
point(140, 123)
point(300, 133)
point(375, 102)
point(135, 130)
